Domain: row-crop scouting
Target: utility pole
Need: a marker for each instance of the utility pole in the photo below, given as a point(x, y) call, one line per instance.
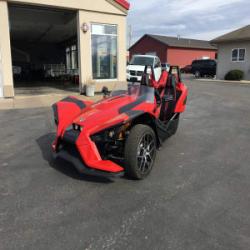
point(130, 33)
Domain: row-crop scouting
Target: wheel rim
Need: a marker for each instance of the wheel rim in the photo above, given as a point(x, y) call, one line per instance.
point(146, 153)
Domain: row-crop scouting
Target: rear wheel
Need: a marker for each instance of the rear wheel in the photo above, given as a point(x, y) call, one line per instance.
point(140, 151)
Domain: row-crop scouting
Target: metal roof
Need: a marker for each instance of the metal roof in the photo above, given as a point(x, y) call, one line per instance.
point(182, 42)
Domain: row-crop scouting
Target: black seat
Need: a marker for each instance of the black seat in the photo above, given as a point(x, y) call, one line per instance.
point(170, 90)
point(145, 79)
point(168, 99)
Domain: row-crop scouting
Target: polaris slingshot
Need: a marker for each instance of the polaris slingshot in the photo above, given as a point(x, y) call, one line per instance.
point(121, 133)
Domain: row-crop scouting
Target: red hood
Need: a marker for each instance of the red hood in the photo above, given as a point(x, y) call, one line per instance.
point(103, 113)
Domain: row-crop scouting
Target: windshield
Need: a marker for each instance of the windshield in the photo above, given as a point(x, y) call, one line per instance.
point(141, 60)
point(134, 90)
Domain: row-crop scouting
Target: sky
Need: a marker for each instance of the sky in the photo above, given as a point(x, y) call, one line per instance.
point(198, 19)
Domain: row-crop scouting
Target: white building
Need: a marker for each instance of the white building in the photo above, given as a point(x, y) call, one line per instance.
point(234, 52)
point(51, 41)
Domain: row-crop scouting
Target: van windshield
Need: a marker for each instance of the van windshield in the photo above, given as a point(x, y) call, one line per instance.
point(141, 60)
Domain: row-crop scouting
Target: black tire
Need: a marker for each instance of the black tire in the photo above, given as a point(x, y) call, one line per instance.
point(140, 151)
point(197, 74)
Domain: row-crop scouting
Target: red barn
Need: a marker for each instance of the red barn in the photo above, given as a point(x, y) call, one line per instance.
point(174, 50)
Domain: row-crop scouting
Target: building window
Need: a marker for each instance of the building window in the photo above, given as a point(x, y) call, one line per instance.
point(238, 55)
point(68, 58)
point(71, 59)
point(104, 51)
point(74, 57)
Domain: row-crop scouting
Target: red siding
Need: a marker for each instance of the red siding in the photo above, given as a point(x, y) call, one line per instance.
point(146, 45)
point(183, 57)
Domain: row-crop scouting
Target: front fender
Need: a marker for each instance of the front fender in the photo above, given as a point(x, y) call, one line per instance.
point(66, 110)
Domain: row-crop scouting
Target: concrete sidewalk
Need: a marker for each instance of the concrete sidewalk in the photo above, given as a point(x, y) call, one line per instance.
point(36, 101)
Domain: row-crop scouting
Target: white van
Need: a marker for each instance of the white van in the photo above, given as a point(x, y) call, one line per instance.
point(137, 65)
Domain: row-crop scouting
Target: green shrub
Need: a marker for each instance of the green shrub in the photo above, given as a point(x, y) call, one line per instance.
point(234, 75)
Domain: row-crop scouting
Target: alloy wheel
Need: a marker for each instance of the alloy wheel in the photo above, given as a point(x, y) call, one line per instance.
point(146, 153)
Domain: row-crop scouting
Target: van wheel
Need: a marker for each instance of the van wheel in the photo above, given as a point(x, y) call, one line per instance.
point(140, 151)
point(197, 74)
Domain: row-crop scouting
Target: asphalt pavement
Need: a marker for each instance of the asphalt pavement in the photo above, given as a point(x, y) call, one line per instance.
point(197, 196)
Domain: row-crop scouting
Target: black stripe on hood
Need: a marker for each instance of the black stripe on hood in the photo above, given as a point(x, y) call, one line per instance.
point(131, 105)
point(79, 103)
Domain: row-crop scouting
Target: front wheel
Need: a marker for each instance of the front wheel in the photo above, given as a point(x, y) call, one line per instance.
point(140, 151)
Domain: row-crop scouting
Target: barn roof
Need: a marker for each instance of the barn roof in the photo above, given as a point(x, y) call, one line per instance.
point(180, 42)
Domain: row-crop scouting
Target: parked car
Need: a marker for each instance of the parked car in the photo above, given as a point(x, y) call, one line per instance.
point(202, 68)
point(137, 65)
point(187, 69)
point(165, 66)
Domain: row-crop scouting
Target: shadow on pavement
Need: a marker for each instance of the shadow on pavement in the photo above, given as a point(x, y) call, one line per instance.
point(44, 143)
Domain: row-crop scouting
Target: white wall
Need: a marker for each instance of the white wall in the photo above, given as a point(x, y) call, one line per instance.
point(225, 63)
point(85, 52)
point(1, 77)
point(102, 6)
point(6, 66)
point(100, 11)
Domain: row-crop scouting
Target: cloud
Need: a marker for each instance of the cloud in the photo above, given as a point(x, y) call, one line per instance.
point(197, 6)
point(203, 19)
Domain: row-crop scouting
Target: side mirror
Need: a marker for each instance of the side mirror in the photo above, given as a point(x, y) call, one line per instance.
point(105, 91)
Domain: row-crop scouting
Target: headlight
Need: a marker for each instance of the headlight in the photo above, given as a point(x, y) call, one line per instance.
point(106, 134)
point(70, 127)
point(114, 133)
point(128, 71)
point(77, 127)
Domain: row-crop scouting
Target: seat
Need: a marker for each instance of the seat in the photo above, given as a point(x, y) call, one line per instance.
point(145, 79)
point(168, 99)
point(159, 85)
